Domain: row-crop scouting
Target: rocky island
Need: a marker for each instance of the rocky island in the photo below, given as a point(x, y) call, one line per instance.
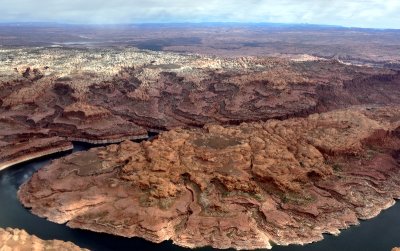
point(252, 151)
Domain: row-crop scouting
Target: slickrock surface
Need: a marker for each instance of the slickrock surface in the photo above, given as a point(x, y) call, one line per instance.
point(19, 240)
point(246, 186)
point(51, 96)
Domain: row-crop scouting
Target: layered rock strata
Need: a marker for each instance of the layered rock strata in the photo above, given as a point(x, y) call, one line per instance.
point(19, 240)
point(247, 186)
point(12, 154)
point(50, 95)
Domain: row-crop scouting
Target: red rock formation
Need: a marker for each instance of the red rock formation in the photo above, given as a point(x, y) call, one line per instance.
point(100, 101)
point(244, 186)
point(15, 239)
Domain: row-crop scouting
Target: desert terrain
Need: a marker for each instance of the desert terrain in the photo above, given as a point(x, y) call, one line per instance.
point(264, 140)
point(16, 239)
point(355, 45)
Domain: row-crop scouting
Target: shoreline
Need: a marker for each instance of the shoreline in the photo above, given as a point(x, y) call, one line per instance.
point(70, 146)
point(35, 155)
point(107, 141)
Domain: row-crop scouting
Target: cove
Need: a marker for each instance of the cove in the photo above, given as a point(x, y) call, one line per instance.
point(380, 233)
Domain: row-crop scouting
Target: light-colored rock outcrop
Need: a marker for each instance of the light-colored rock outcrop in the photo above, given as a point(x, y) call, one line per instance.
point(20, 240)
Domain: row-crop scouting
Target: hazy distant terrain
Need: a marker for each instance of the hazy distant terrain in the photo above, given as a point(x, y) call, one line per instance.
point(365, 46)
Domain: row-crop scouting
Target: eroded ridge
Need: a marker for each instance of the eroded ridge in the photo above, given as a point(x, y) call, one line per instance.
point(245, 186)
point(51, 96)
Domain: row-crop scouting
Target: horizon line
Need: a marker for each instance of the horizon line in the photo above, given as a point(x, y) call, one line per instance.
point(189, 23)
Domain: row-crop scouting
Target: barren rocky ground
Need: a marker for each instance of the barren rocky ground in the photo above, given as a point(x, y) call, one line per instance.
point(49, 97)
point(252, 150)
point(15, 239)
point(246, 186)
point(351, 45)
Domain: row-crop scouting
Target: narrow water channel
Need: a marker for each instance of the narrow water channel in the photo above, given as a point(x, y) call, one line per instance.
point(379, 234)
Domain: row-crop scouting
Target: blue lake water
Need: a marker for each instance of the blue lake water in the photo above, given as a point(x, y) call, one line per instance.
point(379, 234)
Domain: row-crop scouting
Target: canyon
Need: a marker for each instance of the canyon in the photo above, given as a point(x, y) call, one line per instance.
point(249, 152)
point(52, 96)
point(248, 186)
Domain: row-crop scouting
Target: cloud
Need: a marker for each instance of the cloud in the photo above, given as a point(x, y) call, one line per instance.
point(359, 13)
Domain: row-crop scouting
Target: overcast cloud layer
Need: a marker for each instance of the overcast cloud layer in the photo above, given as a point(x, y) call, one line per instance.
point(355, 13)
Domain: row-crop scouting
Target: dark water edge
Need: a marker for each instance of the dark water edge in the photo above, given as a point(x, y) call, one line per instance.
point(380, 233)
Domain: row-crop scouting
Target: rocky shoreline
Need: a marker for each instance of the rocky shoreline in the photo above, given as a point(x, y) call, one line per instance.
point(252, 151)
point(15, 239)
point(32, 149)
point(243, 187)
point(108, 141)
point(35, 155)
point(54, 146)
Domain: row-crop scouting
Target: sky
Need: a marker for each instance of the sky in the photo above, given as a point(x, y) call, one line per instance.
point(350, 13)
